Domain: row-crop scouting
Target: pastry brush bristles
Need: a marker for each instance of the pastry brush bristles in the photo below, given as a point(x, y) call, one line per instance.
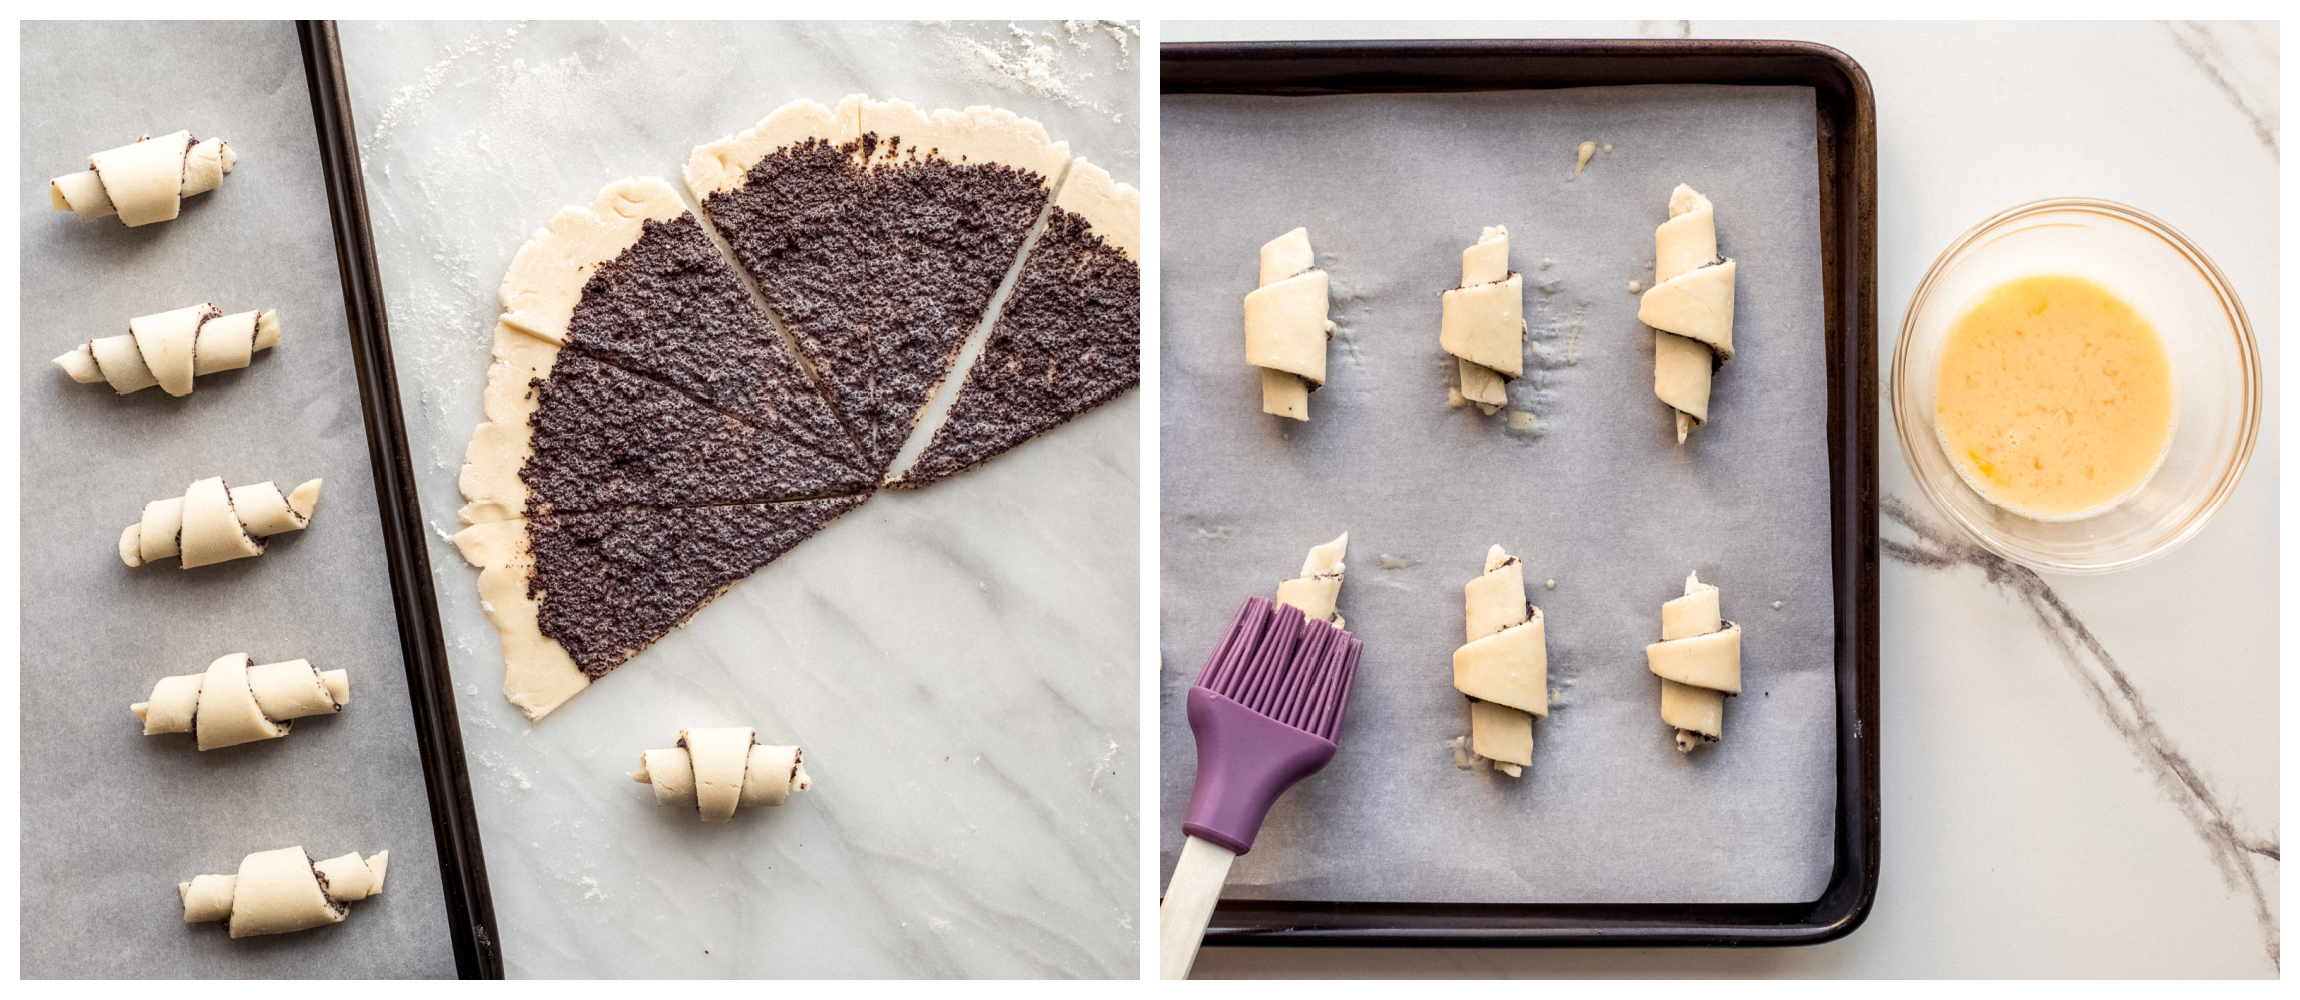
point(1285, 666)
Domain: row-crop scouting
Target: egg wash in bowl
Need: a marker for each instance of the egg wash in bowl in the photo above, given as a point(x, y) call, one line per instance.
point(2055, 398)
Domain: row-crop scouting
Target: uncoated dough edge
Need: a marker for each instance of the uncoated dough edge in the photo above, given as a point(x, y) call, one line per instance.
point(979, 134)
point(539, 294)
point(538, 675)
point(1113, 208)
point(720, 165)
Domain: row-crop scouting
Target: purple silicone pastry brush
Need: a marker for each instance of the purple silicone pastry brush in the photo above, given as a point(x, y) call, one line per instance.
point(1265, 710)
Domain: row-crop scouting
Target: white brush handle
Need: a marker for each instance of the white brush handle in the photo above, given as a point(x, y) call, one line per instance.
point(1189, 904)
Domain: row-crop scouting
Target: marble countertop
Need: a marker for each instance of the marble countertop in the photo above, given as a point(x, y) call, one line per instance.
point(2080, 773)
point(959, 663)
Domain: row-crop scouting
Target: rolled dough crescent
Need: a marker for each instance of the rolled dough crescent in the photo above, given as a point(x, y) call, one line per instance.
point(1320, 585)
point(718, 770)
point(1699, 662)
point(1504, 666)
point(211, 523)
point(1287, 326)
point(276, 892)
point(234, 703)
point(144, 181)
point(1484, 321)
point(1689, 307)
point(168, 349)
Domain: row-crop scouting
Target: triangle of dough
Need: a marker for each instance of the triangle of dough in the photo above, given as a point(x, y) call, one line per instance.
point(881, 245)
point(1068, 339)
point(573, 596)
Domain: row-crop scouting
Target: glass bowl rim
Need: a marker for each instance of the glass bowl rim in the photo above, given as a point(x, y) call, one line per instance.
point(2249, 361)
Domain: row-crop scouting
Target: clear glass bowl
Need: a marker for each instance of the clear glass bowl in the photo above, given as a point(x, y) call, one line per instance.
point(2215, 370)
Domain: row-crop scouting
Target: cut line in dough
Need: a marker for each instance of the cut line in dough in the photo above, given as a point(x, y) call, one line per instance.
point(1503, 667)
point(211, 523)
point(716, 770)
point(545, 285)
point(1483, 324)
point(1067, 339)
point(1315, 591)
point(234, 703)
point(538, 296)
point(881, 356)
point(1699, 662)
point(1287, 326)
point(168, 349)
point(1689, 307)
point(275, 892)
point(144, 181)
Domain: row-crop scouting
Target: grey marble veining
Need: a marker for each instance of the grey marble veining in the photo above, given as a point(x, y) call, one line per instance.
point(2033, 825)
point(959, 663)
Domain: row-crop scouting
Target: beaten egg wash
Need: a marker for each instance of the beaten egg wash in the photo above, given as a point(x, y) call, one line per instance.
point(2055, 397)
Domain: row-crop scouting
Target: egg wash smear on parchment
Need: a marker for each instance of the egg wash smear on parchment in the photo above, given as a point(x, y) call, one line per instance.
point(2055, 397)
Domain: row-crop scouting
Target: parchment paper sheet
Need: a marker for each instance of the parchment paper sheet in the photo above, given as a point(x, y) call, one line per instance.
point(1597, 496)
point(113, 819)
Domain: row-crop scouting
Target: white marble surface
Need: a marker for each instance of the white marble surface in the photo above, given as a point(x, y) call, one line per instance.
point(2027, 832)
point(959, 663)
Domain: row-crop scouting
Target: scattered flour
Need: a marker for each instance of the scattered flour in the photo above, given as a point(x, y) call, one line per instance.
point(409, 98)
point(1100, 773)
point(1033, 60)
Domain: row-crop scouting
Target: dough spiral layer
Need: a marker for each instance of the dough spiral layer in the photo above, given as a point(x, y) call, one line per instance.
point(1484, 321)
point(1699, 662)
point(716, 770)
point(1504, 665)
point(1286, 326)
point(1314, 592)
point(1690, 307)
point(234, 703)
point(144, 181)
point(212, 524)
point(167, 349)
point(279, 891)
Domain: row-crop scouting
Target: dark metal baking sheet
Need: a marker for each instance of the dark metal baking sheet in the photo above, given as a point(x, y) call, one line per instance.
point(112, 820)
point(1844, 131)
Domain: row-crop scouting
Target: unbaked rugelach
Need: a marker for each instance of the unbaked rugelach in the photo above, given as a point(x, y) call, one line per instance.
point(145, 181)
point(275, 892)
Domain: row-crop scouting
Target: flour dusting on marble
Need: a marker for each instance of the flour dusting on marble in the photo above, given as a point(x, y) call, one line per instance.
point(402, 100)
point(1034, 61)
point(1100, 773)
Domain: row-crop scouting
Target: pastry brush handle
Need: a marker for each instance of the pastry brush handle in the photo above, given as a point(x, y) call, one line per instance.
point(1189, 904)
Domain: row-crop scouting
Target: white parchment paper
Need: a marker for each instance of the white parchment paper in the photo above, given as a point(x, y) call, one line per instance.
point(1596, 494)
point(113, 819)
